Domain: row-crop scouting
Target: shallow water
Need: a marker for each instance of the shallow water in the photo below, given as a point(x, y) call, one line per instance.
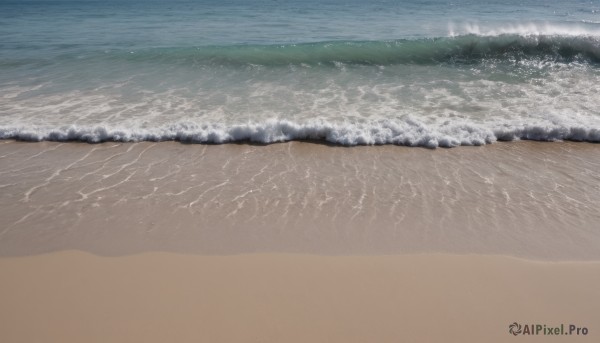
point(527, 199)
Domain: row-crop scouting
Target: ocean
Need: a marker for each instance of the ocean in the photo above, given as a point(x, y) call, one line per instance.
point(416, 73)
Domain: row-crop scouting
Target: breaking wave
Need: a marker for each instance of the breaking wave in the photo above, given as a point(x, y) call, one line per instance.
point(469, 48)
point(461, 49)
point(408, 131)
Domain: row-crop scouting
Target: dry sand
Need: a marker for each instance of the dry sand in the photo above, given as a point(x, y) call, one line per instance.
point(164, 297)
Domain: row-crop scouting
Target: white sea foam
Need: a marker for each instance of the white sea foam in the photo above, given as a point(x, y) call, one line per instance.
point(409, 131)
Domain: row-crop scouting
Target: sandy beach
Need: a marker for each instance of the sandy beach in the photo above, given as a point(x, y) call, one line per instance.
point(156, 297)
point(297, 242)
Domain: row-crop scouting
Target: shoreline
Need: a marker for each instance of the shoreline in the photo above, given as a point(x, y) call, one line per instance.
point(323, 142)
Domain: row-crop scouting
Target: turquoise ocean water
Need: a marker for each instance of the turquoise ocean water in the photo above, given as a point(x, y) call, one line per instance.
point(419, 73)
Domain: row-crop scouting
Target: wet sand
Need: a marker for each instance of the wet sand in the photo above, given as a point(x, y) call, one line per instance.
point(525, 199)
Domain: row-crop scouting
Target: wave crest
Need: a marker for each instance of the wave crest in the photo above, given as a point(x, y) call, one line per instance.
point(583, 29)
point(469, 48)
